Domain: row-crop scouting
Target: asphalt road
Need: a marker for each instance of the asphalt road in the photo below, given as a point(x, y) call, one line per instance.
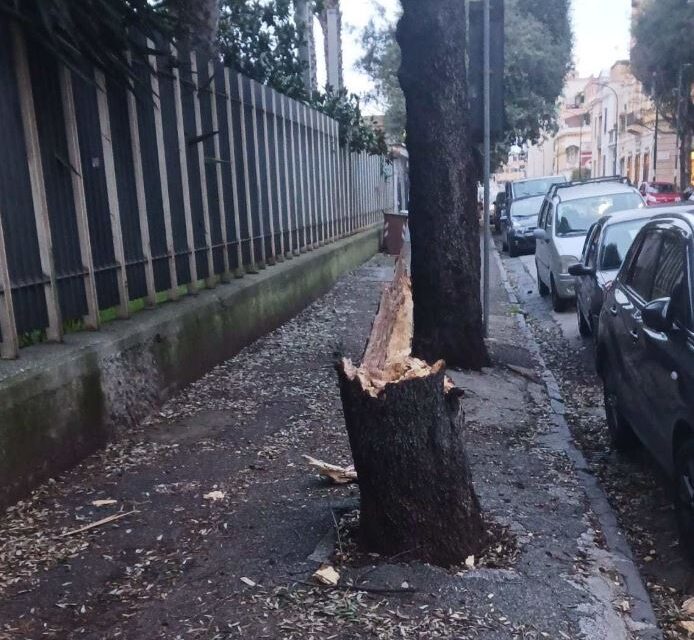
point(637, 489)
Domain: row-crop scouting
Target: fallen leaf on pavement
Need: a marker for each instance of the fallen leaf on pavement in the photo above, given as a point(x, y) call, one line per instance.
point(470, 562)
point(688, 607)
point(104, 503)
point(326, 575)
point(214, 495)
point(248, 581)
point(687, 625)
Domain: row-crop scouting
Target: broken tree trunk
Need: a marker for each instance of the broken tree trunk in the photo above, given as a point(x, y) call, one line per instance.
point(405, 422)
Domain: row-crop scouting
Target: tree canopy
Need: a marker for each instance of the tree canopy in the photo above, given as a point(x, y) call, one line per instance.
point(538, 57)
point(663, 61)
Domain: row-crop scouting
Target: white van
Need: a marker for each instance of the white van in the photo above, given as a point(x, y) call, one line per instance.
point(567, 213)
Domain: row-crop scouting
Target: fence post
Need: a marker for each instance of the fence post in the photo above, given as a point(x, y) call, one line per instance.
point(210, 281)
point(270, 204)
point(278, 178)
point(234, 182)
point(226, 275)
point(181, 135)
point(9, 347)
point(325, 181)
point(253, 266)
point(91, 320)
point(163, 176)
point(136, 152)
point(112, 194)
point(315, 172)
point(258, 185)
point(299, 109)
point(54, 331)
point(288, 187)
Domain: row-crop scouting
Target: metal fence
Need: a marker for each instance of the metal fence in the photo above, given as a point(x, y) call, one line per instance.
point(193, 176)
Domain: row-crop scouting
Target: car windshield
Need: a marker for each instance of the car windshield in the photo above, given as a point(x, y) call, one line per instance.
point(576, 216)
point(526, 208)
point(616, 243)
point(661, 187)
point(535, 187)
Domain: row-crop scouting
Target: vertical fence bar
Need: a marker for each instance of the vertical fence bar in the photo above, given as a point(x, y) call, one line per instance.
point(133, 121)
point(123, 309)
point(226, 275)
point(54, 331)
point(309, 178)
point(340, 182)
point(299, 207)
point(318, 140)
point(278, 178)
point(253, 266)
point(210, 281)
point(9, 347)
point(91, 320)
point(163, 177)
point(288, 186)
point(182, 144)
point(268, 174)
point(327, 178)
point(318, 220)
point(258, 185)
point(234, 182)
point(333, 150)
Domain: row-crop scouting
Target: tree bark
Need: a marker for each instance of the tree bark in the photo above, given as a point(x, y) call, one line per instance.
point(405, 423)
point(443, 211)
point(197, 22)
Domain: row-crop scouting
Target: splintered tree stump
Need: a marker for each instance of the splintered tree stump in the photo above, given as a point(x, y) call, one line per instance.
point(405, 426)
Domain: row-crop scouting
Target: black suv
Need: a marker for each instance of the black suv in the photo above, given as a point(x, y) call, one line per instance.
point(645, 354)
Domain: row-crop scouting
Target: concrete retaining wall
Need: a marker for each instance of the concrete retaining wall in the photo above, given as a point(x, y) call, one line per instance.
point(58, 403)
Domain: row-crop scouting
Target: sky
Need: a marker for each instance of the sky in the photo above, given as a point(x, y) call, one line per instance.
point(601, 35)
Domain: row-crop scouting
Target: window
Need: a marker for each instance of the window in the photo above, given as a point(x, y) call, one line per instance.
point(670, 269)
point(575, 217)
point(642, 270)
point(616, 242)
point(590, 250)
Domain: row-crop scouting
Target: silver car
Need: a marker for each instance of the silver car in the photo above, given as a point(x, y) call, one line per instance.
point(568, 212)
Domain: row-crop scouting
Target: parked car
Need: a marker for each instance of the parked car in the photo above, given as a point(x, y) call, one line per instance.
point(659, 193)
point(499, 206)
point(606, 245)
point(568, 211)
point(518, 224)
point(645, 354)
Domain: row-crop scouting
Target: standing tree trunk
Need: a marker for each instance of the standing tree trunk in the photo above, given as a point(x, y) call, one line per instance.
point(443, 210)
point(196, 23)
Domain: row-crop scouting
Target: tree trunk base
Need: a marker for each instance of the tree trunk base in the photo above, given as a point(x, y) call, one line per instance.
point(405, 426)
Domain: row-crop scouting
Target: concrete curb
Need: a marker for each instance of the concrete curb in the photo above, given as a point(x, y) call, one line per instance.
point(561, 440)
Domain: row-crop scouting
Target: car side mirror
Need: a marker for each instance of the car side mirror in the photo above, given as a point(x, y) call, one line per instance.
point(540, 234)
point(579, 269)
point(656, 315)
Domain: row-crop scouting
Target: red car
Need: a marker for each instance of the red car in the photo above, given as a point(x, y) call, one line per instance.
point(659, 193)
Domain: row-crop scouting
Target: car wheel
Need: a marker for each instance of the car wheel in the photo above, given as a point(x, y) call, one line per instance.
point(513, 251)
point(684, 496)
point(622, 436)
point(541, 286)
point(558, 303)
point(583, 327)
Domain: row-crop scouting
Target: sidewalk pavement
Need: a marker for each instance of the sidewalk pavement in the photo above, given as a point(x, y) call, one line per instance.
point(225, 524)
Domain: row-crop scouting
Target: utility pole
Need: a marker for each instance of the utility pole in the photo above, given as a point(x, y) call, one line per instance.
point(655, 142)
point(487, 158)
